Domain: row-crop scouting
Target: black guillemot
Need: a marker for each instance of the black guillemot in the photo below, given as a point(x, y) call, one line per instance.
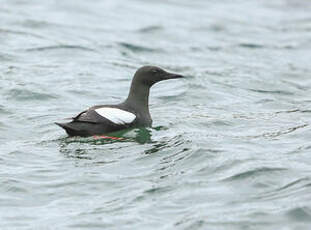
point(133, 112)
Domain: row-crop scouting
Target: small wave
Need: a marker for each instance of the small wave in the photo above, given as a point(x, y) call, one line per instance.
point(16, 186)
point(149, 29)
point(176, 97)
point(15, 32)
point(287, 190)
point(56, 47)
point(25, 95)
point(288, 111)
point(136, 48)
point(6, 57)
point(253, 172)
point(3, 110)
point(299, 214)
point(251, 46)
point(279, 132)
point(157, 190)
point(281, 92)
point(291, 184)
point(162, 145)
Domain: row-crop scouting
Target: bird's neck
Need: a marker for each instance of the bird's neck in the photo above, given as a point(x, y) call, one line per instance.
point(138, 97)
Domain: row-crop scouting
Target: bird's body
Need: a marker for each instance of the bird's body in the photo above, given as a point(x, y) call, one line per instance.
point(103, 119)
point(133, 112)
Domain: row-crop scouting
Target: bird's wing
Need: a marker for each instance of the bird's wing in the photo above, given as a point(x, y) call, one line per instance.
point(78, 116)
point(115, 116)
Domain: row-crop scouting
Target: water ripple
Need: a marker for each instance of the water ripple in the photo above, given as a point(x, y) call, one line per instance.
point(57, 47)
point(150, 29)
point(289, 190)
point(27, 94)
point(253, 173)
point(137, 48)
point(231, 144)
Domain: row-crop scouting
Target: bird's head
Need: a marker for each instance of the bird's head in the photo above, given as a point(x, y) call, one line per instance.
point(149, 75)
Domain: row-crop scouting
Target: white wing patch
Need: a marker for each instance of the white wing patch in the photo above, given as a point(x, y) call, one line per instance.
point(116, 116)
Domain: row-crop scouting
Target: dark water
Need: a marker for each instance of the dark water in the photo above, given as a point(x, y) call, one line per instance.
point(230, 147)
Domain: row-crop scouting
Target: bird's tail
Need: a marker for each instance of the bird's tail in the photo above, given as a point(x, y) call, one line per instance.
point(69, 128)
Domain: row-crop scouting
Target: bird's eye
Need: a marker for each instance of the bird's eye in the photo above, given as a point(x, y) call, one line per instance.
point(155, 71)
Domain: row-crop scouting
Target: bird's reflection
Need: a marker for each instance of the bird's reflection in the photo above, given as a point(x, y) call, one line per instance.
point(139, 135)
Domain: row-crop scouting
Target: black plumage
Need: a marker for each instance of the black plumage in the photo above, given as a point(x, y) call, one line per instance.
point(133, 112)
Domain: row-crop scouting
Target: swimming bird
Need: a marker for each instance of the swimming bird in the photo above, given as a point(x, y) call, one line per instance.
point(133, 112)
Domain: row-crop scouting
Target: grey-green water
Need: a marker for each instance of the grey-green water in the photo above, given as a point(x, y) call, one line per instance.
point(230, 147)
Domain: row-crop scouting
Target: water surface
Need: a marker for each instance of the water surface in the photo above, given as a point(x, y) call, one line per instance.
point(230, 147)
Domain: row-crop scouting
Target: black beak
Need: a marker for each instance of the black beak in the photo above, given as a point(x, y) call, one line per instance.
point(172, 76)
